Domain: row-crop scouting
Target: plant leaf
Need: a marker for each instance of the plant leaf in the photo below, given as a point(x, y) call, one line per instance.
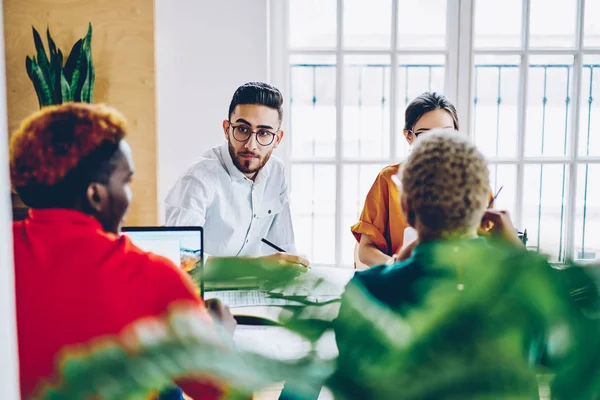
point(42, 58)
point(54, 83)
point(73, 61)
point(28, 66)
point(57, 69)
point(33, 78)
point(65, 89)
point(82, 79)
point(88, 87)
point(92, 72)
point(51, 44)
point(40, 84)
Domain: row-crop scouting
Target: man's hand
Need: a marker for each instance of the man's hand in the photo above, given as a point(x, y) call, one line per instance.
point(497, 224)
point(222, 314)
point(286, 259)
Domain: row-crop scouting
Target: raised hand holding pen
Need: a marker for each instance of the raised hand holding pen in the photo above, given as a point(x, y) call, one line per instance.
point(502, 227)
point(488, 225)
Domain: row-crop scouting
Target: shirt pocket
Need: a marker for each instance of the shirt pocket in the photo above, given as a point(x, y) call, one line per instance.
point(269, 209)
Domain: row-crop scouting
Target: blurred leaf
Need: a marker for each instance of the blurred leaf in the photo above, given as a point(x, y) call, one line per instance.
point(152, 353)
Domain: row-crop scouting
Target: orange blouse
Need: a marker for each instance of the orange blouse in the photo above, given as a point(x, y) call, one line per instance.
point(381, 218)
point(382, 205)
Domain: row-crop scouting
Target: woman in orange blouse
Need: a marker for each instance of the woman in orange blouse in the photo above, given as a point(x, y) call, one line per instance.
point(380, 230)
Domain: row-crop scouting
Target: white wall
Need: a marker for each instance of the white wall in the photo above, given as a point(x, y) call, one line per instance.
point(9, 378)
point(205, 49)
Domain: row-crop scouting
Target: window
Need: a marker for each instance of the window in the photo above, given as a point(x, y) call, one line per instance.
point(534, 116)
point(520, 72)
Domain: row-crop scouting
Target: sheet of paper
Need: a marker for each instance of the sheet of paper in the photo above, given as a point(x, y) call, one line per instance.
point(281, 344)
point(319, 283)
point(271, 341)
point(410, 235)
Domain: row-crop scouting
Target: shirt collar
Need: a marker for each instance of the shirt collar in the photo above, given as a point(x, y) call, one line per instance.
point(62, 216)
point(235, 174)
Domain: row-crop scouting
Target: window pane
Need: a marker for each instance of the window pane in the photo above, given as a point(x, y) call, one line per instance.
point(320, 16)
point(587, 222)
point(592, 24)
point(552, 24)
point(589, 123)
point(366, 129)
point(358, 179)
point(312, 103)
point(544, 208)
point(498, 23)
point(411, 29)
point(505, 177)
point(367, 24)
point(548, 105)
point(313, 211)
point(495, 104)
point(415, 75)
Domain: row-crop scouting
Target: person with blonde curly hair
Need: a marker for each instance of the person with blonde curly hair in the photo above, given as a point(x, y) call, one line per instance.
point(445, 198)
point(445, 187)
point(445, 195)
point(77, 280)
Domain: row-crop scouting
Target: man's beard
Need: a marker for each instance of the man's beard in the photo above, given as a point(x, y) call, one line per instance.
point(244, 164)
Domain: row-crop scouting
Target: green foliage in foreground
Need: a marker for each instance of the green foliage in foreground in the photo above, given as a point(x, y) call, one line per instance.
point(483, 342)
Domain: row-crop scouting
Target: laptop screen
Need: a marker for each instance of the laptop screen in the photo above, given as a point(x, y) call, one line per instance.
point(181, 245)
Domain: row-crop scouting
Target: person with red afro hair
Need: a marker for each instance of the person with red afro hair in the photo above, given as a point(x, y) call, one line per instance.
point(78, 280)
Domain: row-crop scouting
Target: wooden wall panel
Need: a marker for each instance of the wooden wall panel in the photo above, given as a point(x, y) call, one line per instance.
point(123, 53)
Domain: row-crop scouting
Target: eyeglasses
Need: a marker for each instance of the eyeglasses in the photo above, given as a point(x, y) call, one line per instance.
point(242, 133)
point(417, 133)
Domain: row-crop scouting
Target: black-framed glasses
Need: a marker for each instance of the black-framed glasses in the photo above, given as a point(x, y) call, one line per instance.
point(416, 134)
point(242, 133)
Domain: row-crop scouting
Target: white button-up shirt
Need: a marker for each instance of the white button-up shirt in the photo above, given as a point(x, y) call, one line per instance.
point(235, 211)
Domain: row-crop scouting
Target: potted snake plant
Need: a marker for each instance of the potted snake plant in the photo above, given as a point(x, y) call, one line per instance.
point(57, 80)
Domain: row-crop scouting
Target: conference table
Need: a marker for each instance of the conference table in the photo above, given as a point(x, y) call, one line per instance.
point(279, 343)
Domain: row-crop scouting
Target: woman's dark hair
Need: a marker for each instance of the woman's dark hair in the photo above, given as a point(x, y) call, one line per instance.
point(426, 102)
point(258, 93)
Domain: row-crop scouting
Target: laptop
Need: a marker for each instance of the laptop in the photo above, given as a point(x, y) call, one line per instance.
point(184, 245)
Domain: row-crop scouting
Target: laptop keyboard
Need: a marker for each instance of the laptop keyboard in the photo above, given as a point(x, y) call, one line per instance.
point(248, 298)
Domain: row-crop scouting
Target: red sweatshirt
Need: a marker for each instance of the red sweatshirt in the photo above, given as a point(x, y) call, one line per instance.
point(75, 282)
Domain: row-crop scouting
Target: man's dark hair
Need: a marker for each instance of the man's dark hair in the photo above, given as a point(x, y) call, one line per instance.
point(97, 167)
point(58, 151)
point(258, 93)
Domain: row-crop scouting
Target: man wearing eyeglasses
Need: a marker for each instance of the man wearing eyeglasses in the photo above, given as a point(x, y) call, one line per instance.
point(237, 191)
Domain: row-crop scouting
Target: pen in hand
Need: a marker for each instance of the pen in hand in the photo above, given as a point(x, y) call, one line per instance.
point(272, 245)
point(300, 261)
point(494, 198)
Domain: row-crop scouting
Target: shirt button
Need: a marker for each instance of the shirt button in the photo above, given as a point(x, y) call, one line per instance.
point(254, 215)
point(246, 240)
point(269, 211)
